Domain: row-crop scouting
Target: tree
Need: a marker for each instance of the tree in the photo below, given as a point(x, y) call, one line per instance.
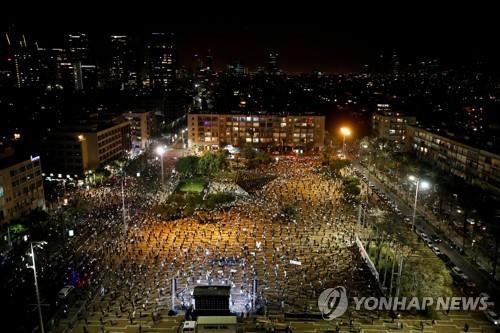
point(211, 163)
point(187, 166)
point(351, 186)
point(336, 165)
point(205, 164)
point(469, 200)
point(425, 276)
point(247, 151)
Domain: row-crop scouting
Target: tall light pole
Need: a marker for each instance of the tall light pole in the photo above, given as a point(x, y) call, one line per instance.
point(345, 132)
point(32, 254)
point(160, 151)
point(419, 184)
point(365, 146)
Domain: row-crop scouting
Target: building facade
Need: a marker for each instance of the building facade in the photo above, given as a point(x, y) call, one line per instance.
point(474, 165)
point(140, 128)
point(161, 60)
point(21, 188)
point(75, 151)
point(271, 131)
point(391, 125)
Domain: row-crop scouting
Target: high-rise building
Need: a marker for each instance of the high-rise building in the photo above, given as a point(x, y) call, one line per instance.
point(395, 62)
point(23, 60)
point(236, 68)
point(122, 71)
point(161, 60)
point(272, 63)
point(77, 45)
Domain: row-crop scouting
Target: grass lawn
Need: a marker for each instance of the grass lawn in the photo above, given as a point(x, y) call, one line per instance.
point(195, 185)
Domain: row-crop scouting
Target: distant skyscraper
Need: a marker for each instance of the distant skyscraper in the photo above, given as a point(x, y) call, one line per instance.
point(77, 45)
point(272, 63)
point(161, 61)
point(236, 68)
point(209, 62)
point(395, 62)
point(22, 59)
point(122, 70)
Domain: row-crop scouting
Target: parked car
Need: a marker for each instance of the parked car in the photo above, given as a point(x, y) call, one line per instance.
point(436, 250)
point(445, 259)
point(436, 239)
point(65, 291)
point(458, 274)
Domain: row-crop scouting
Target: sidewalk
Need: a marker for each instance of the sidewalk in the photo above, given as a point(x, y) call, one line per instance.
point(475, 258)
point(484, 281)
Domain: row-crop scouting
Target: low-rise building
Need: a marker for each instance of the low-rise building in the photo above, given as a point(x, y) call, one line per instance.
point(21, 187)
point(74, 150)
point(391, 125)
point(262, 130)
point(475, 165)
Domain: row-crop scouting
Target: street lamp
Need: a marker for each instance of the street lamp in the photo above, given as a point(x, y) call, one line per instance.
point(160, 150)
point(419, 184)
point(365, 146)
point(32, 254)
point(345, 132)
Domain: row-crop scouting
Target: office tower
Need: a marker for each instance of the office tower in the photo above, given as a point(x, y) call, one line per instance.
point(161, 61)
point(122, 72)
point(272, 63)
point(236, 68)
point(77, 45)
point(23, 61)
point(208, 63)
point(395, 62)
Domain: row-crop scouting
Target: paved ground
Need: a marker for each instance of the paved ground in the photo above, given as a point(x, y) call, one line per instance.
point(137, 272)
point(483, 282)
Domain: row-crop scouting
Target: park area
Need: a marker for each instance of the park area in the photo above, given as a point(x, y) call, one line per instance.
point(193, 185)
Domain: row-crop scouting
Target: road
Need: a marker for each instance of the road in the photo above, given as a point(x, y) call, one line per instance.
point(484, 283)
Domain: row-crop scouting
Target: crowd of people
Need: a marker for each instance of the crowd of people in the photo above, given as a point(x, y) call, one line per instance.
point(290, 260)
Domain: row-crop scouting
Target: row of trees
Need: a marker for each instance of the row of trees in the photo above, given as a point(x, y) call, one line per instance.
point(447, 190)
point(334, 167)
point(208, 164)
point(254, 156)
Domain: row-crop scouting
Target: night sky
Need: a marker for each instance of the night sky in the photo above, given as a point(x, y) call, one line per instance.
point(331, 41)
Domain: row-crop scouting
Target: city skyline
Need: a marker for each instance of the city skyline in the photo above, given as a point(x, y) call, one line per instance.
point(181, 170)
point(329, 46)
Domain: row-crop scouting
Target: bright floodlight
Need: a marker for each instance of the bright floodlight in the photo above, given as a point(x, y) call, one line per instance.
point(424, 185)
point(412, 178)
point(365, 146)
point(345, 131)
point(160, 150)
